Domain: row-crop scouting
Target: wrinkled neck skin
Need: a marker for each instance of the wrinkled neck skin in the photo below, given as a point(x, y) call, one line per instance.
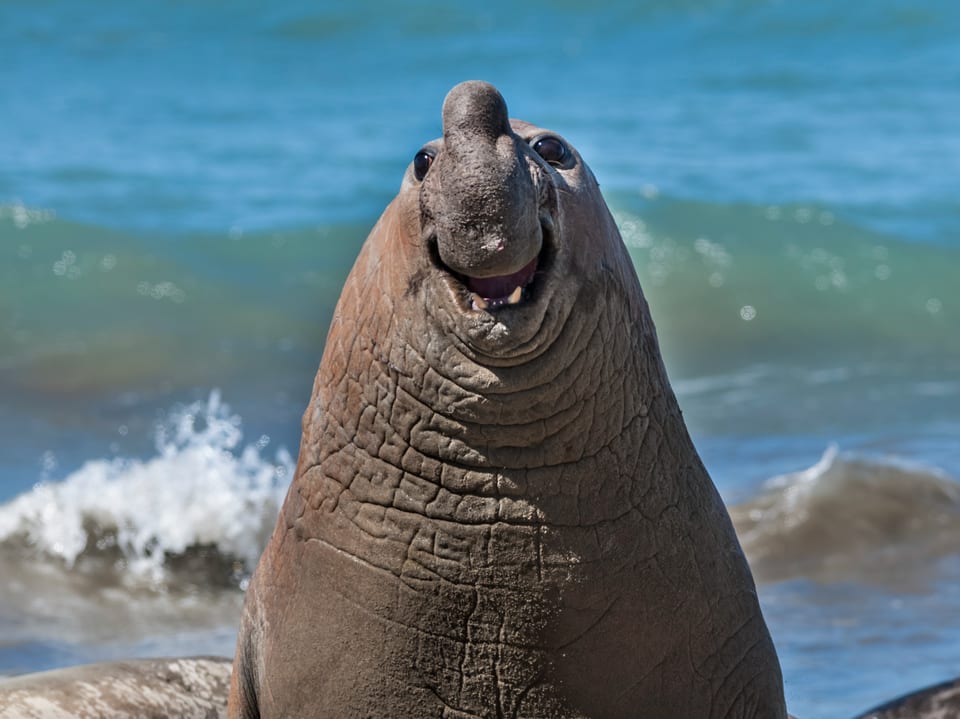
point(482, 415)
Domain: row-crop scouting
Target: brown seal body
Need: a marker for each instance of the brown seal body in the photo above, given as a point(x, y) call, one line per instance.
point(187, 688)
point(497, 509)
point(941, 701)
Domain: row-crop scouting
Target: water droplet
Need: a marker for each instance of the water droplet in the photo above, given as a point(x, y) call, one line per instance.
point(934, 305)
point(23, 217)
point(48, 462)
point(747, 313)
point(20, 217)
point(650, 191)
point(65, 266)
point(634, 232)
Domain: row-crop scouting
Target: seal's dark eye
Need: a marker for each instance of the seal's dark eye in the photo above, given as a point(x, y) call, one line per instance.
point(421, 163)
point(552, 150)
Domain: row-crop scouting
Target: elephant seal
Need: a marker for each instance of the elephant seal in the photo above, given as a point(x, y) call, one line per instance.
point(941, 701)
point(187, 688)
point(497, 510)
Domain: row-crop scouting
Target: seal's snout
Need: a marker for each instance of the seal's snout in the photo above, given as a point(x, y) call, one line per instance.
point(475, 108)
point(481, 199)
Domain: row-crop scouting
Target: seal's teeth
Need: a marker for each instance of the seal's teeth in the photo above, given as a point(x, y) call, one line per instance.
point(478, 302)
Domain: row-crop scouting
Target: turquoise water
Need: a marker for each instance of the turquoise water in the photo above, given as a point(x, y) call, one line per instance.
point(185, 185)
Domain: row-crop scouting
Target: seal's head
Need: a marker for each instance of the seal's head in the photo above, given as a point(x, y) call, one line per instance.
point(510, 228)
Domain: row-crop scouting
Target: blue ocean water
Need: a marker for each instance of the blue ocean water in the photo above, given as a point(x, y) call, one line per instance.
point(185, 185)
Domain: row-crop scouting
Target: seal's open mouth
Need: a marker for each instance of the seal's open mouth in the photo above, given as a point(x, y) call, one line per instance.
point(489, 293)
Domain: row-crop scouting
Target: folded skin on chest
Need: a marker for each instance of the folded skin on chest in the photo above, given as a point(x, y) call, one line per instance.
point(497, 510)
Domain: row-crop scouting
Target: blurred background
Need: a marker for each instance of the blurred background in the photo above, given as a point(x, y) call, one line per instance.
point(184, 186)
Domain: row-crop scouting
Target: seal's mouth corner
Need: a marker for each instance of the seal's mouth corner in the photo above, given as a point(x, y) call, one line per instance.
point(490, 294)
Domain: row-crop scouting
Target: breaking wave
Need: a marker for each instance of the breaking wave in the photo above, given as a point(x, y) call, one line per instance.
point(199, 510)
point(852, 518)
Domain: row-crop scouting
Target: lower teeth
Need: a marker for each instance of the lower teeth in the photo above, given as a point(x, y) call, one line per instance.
point(479, 303)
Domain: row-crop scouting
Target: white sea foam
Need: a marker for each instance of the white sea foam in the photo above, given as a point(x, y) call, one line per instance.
point(201, 488)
